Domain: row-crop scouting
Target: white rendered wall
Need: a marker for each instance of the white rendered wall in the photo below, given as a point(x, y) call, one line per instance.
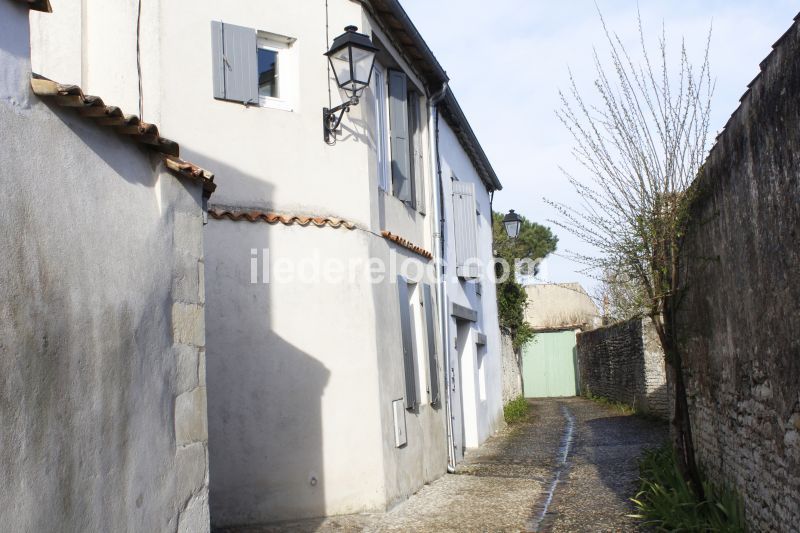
point(292, 388)
point(101, 358)
point(276, 160)
point(482, 417)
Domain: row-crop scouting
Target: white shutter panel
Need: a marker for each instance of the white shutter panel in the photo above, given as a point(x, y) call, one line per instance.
point(217, 59)
point(382, 140)
point(465, 230)
point(433, 360)
point(398, 122)
point(408, 344)
point(418, 173)
point(234, 62)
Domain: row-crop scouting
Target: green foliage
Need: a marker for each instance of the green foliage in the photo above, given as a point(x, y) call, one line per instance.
point(515, 410)
point(511, 302)
point(665, 501)
point(622, 408)
point(533, 244)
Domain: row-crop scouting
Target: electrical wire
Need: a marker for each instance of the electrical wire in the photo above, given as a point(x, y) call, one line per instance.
point(327, 63)
point(139, 59)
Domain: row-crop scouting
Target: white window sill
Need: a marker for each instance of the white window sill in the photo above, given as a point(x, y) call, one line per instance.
point(275, 103)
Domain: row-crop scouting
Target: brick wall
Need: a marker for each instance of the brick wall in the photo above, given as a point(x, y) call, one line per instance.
point(624, 362)
point(739, 318)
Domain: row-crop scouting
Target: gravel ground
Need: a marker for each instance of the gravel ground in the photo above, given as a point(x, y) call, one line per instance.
point(505, 485)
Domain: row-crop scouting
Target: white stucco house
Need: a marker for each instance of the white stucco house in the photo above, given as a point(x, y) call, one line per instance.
point(344, 369)
point(102, 374)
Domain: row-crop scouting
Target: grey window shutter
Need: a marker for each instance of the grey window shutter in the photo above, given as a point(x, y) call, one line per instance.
point(465, 230)
point(433, 360)
point(417, 163)
point(398, 122)
point(217, 60)
point(408, 344)
point(234, 49)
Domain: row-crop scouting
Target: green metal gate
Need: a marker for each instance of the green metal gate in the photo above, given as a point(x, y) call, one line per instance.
point(549, 365)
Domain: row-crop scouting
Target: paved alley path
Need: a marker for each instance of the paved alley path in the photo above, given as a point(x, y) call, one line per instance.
point(571, 466)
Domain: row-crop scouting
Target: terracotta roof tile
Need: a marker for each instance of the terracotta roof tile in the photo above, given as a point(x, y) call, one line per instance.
point(94, 108)
point(255, 215)
point(407, 244)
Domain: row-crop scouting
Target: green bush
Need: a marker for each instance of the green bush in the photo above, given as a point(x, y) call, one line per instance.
point(515, 410)
point(666, 502)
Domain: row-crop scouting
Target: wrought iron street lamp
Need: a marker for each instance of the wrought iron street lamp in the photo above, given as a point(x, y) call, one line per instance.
point(512, 223)
point(352, 58)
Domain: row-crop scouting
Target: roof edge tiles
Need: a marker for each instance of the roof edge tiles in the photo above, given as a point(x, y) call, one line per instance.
point(93, 107)
point(408, 245)
point(256, 215)
point(38, 5)
point(398, 26)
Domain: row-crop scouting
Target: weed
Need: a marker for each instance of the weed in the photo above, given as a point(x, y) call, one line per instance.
point(623, 408)
point(666, 502)
point(515, 410)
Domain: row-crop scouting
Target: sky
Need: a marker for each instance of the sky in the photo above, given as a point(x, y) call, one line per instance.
point(507, 60)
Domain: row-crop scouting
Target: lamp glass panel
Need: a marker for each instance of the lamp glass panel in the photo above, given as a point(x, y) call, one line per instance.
point(512, 228)
point(362, 64)
point(340, 62)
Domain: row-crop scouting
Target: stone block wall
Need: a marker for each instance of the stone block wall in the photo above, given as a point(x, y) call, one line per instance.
point(739, 320)
point(512, 378)
point(624, 362)
point(189, 337)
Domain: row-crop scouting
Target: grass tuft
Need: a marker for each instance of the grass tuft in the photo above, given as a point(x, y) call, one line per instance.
point(665, 501)
point(622, 408)
point(515, 410)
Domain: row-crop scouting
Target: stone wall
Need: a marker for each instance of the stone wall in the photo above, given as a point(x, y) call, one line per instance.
point(102, 374)
point(512, 377)
point(739, 318)
point(624, 362)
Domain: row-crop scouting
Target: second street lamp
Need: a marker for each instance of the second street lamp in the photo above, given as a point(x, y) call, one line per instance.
point(512, 222)
point(352, 58)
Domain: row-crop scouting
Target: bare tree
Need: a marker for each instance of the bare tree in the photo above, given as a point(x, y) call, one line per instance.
point(643, 144)
point(620, 297)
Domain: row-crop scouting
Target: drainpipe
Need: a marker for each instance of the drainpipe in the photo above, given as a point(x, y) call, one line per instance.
point(438, 255)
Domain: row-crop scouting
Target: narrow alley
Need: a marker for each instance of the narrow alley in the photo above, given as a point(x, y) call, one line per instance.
point(570, 466)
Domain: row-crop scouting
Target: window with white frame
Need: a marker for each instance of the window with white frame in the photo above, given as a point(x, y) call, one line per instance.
point(481, 372)
point(253, 67)
point(420, 341)
point(268, 78)
point(406, 292)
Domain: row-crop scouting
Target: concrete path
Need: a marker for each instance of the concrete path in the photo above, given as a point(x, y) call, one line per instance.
point(570, 466)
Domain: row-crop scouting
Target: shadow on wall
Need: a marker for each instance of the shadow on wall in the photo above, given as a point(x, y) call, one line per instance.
point(86, 390)
point(264, 393)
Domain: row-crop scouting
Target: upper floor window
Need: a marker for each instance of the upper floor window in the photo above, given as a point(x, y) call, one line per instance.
point(399, 126)
point(267, 71)
point(252, 67)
